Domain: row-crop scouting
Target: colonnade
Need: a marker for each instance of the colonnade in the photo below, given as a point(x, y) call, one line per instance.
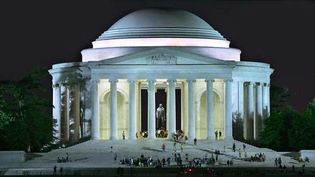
point(256, 107)
point(152, 108)
point(61, 111)
point(253, 95)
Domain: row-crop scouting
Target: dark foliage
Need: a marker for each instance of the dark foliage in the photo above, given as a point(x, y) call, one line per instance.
point(24, 113)
point(279, 97)
point(238, 127)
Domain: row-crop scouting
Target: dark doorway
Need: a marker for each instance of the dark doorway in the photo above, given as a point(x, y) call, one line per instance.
point(144, 110)
point(160, 98)
point(178, 109)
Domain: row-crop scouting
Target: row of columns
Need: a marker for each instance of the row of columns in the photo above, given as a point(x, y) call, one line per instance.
point(258, 108)
point(152, 107)
point(61, 101)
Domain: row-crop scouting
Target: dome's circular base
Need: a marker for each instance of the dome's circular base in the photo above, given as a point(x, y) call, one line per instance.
point(158, 42)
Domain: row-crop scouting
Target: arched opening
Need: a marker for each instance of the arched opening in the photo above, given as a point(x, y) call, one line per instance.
point(122, 114)
point(201, 121)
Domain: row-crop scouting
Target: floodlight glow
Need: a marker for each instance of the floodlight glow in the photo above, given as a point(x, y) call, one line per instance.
point(155, 42)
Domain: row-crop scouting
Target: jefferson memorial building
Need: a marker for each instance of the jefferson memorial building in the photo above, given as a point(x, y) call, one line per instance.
point(155, 58)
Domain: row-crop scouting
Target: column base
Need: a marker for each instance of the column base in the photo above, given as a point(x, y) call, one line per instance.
point(113, 138)
point(229, 138)
point(190, 138)
point(132, 138)
point(211, 138)
point(95, 138)
point(151, 138)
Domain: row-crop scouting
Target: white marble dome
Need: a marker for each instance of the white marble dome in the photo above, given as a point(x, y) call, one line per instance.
point(160, 27)
point(161, 23)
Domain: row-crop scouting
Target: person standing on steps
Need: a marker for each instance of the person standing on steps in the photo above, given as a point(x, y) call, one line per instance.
point(123, 135)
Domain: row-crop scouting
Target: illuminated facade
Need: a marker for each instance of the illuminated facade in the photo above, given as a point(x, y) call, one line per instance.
point(114, 87)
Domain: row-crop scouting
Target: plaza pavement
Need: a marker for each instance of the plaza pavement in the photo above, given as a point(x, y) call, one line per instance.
point(99, 154)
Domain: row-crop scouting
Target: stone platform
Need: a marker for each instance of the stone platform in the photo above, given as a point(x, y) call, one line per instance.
point(99, 154)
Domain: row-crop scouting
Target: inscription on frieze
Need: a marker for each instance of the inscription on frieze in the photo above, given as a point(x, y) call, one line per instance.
point(161, 59)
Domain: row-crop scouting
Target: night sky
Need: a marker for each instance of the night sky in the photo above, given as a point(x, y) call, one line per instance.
point(40, 33)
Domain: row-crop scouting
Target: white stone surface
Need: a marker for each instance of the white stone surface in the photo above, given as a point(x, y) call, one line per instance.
point(113, 109)
point(172, 108)
point(228, 109)
point(132, 109)
point(12, 156)
point(151, 110)
point(191, 112)
point(210, 110)
point(94, 102)
point(309, 154)
point(57, 109)
point(98, 154)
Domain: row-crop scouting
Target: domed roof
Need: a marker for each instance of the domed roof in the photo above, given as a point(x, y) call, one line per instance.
point(159, 18)
point(156, 23)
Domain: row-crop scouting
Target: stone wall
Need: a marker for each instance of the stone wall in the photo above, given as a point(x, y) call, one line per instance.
point(12, 156)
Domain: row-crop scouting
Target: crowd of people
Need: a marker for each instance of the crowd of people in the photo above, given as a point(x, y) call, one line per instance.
point(259, 157)
point(278, 162)
point(144, 161)
point(63, 159)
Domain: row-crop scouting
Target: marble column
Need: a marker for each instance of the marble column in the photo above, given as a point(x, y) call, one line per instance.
point(171, 108)
point(66, 115)
point(132, 110)
point(76, 107)
point(241, 106)
point(57, 111)
point(191, 110)
point(95, 126)
point(210, 110)
point(228, 109)
point(264, 102)
point(250, 111)
point(259, 111)
point(268, 99)
point(113, 109)
point(151, 109)
point(241, 98)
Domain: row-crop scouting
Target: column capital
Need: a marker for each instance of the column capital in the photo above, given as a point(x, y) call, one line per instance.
point(228, 80)
point(95, 81)
point(113, 81)
point(191, 80)
point(152, 81)
point(171, 80)
point(210, 80)
point(131, 81)
point(249, 82)
point(259, 84)
point(55, 85)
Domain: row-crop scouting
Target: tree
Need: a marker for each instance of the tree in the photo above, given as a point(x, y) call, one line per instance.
point(238, 127)
point(276, 133)
point(309, 125)
point(287, 129)
point(24, 113)
point(279, 98)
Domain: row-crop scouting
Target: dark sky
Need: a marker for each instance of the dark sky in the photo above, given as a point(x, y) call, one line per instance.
point(40, 33)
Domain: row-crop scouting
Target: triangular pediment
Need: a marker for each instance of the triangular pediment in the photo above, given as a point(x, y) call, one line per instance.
point(162, 56)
